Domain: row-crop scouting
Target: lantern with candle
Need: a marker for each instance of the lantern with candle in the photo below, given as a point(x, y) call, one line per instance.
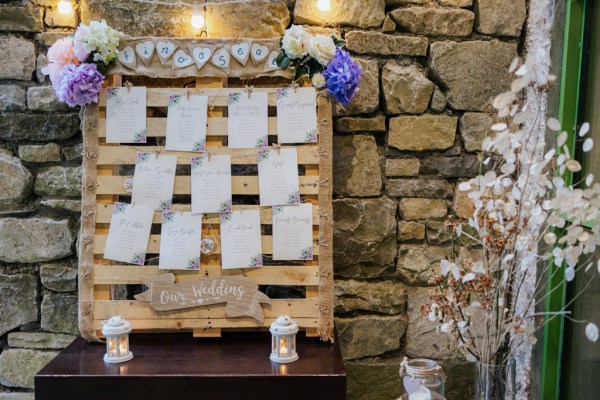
point(283, 331)
point(116, 330)
point(422, 379)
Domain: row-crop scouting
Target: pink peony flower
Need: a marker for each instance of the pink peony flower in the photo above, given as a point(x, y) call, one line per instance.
point(60, 54)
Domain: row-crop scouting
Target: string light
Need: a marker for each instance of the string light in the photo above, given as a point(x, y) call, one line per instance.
point(324, 5)
point(197, 20)
point(65, 7)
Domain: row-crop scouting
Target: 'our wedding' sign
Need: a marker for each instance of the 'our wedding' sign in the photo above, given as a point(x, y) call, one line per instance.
point(292, 232)
point(296, 115)
point(153, 180)
point(278, 177)
point(241, 245)
point(126, 115)
point(240, 293)
point(186, 123)
point(180, 238)
point(211, 184)
point(247, 120)
point(128, 234)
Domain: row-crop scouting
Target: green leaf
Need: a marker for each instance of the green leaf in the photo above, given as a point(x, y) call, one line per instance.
point(339, 43)
point(300, 71)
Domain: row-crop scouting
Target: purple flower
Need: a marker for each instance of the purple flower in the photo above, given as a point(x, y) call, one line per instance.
point(79, 85)
point(343, 77)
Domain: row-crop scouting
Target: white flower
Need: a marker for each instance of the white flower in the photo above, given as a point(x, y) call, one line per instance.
point(296, 42)
point(446, 266)
point(569, 274)
point(468, 277)
point(102, 40)
point(591, 331)
point(318, 80)
point(322, 48)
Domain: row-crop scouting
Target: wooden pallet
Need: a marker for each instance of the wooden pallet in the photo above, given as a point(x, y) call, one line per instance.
point(105, 174)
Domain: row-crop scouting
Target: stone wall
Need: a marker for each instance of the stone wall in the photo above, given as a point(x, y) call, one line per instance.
point(413, 131)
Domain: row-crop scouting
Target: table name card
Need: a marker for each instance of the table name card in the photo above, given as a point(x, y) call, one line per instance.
point(240, 293)
point(186, 123)
point(247, 120)
point(153, 180)
point(126, 115)
point(241, 245)
point(292, 232)
point(278, 177)
point(180, 239)
point(128, 234)
point(296, 115)
point(211, 184)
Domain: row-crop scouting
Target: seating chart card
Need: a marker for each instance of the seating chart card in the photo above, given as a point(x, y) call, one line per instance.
point(186, 123)
point(278, 177)
point(128, 234)
point(241, 245)
point(247, 120)
point(153, 180)
point(126, 115)
point(211, 184)
point(296, 115)
point(180, 239)
point(292, 232)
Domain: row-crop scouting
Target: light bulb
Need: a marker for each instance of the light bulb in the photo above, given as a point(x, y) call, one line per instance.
point(65, 7)
point(197, 21)
point(324, 5)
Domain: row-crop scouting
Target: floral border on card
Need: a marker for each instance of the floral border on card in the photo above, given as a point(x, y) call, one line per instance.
point(199, 146)
point(225, 206)
point(140, 136)
point(256, 260)
point(294, 198)
point(119, 208)
point(311, 136)
point(193, 263)
point(138, 258)
point(174, 99)
point(306, 254)
point(262, 141)
point(225, 217)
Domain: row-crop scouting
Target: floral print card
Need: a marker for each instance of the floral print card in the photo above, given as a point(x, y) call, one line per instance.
point(296, 115)
point(180, 239)
point(247, 122)
point(292, 232)
point(128, 234)
point(186, 123)
point(126, 115)
point(211, 184)
point(241, 245)
point(153, 180)
point(278, 180)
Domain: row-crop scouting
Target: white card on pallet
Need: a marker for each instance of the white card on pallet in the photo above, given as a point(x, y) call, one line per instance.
point(296, 115)
point(247, 120)
point(278, 180)
point(186, 123)
point(153, 180)
point(128, 234)
point(126, 115)
point(241, 239)
point(211, 184)
point(292, 232)
point(180, 238)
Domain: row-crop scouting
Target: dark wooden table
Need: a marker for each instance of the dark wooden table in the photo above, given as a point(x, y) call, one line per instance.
point(179, 367)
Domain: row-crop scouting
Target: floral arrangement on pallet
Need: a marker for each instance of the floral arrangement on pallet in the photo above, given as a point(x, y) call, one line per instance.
point(321, 59)
point(77, 63)
point(528, 223)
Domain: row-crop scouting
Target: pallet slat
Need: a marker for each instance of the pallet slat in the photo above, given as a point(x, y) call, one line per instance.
point(154, 244)
point(125, 155)
point(216, 126)
point(279, 275)
point(159, 97)
point(104, 214)
point(242, 185)
point(174, 324)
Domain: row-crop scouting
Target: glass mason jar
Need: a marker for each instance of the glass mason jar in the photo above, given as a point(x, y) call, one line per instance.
point(422, 379)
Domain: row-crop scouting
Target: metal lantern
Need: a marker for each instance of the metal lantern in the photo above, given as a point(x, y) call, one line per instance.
point(422, 379)
point(283, 331)
point(116, 330)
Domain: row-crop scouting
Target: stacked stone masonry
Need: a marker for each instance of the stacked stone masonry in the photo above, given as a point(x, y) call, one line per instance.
point(430, 68)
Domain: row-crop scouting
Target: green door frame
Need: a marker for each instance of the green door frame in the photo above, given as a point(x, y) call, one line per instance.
point(568, 112)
